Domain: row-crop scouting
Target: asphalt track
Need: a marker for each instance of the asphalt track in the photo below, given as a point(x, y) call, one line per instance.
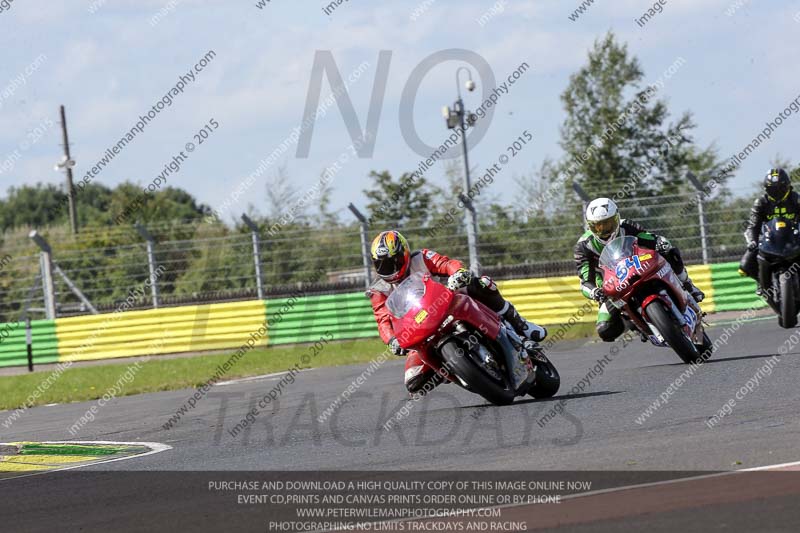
point(450, 430)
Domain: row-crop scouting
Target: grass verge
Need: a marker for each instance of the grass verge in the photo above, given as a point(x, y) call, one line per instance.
point(82, 383)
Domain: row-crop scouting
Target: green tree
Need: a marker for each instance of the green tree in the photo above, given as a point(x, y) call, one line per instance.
point(400, 202)
point(32, 206)
point(47, 205)
point(617, 130)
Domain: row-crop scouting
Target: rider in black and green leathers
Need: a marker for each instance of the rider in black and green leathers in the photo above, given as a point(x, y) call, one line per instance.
point(603, 220)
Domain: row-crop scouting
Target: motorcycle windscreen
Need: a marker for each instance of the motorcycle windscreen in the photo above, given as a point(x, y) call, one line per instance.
point(617, 250)
point(624, 264)
point(417, 306)
point(780, 238)
point(407, 296)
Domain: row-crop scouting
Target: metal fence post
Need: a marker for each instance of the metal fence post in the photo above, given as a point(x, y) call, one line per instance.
point(29, 342)
point(46, 266)
point(364, 243)
point(703, 237)
point(585, 198)
point(74, 288)
point(151, 261)
point(701, 215)
point(472, 233)
point(256, 254)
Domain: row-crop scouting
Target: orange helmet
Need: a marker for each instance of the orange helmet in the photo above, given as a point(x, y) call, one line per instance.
point(390, 256)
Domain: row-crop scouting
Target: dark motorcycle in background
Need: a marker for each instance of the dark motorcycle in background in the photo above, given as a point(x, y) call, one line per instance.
point(778, 265)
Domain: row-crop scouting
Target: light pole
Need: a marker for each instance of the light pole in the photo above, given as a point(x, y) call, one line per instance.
point(66, 164)
point(461, 118)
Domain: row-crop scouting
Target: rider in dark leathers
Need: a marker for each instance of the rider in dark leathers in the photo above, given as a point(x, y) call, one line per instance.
point(778, 201)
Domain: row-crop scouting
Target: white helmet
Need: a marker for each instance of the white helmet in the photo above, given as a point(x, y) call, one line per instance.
point(602, 218)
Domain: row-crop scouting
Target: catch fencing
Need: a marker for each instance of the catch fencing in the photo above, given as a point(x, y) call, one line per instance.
point(555, 302)
point(204, 262)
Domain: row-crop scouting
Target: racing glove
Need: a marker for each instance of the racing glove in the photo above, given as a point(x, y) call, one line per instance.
point(598, 295)
point(662, 245)
point(396, 349)
point(459, 279)
point(752, 246)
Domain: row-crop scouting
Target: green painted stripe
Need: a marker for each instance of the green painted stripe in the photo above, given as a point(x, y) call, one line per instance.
point(306, 319)
point(72, 449)
point(13, 348)
point(344, 316)
point(733, 292)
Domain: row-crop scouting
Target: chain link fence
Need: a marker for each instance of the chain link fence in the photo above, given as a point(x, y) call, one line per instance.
point(211, 262)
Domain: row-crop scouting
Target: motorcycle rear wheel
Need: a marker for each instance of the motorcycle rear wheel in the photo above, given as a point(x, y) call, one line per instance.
point(462, 364)
point(666, 323)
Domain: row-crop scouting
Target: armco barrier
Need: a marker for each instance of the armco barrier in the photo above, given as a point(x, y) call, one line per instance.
point(732, 292)
point(549, 301)
point(13, 348)
point(159, 331)
point(345, 316)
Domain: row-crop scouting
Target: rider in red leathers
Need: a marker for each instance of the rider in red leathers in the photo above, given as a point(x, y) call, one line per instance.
point(394, 262)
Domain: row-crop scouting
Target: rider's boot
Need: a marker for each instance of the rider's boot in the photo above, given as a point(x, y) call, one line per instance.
point(420, 382)
point(525, 329)
point(690, 287)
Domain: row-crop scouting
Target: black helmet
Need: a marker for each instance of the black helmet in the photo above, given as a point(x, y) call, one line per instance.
point(777, 184)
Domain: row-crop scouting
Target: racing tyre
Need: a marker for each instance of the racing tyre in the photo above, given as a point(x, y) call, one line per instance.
point(788, 318)
point(706, 348)
point(666, 323)
point(547, 378)
point(465, 365)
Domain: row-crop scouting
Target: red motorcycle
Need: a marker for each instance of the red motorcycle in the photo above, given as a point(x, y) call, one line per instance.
point(642, 284)
point(467, 343)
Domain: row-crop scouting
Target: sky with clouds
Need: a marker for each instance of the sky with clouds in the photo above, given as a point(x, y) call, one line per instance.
point(108, 64)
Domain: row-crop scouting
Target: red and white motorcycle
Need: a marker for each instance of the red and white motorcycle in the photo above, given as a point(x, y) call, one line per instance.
point(641, 283)
point(467, 343)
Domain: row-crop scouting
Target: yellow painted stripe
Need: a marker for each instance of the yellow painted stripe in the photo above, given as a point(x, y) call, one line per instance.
point(29, 463)
point(546, 300)
point(14, 467)
point(160, 331)
point(701, 276)
point(54, 460)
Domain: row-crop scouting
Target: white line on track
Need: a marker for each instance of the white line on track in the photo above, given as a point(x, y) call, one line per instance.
point(665, 482)
point(273, 376)
point(769, 467)
point(628, 487)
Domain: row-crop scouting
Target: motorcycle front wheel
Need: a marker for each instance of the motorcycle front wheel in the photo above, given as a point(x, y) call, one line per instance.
point(672, 332)
point(464, 363)
point(547, 380)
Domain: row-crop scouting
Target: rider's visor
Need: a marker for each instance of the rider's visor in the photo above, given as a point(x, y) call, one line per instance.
point(604, 228)
point(389, 266)
point(777, 192)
